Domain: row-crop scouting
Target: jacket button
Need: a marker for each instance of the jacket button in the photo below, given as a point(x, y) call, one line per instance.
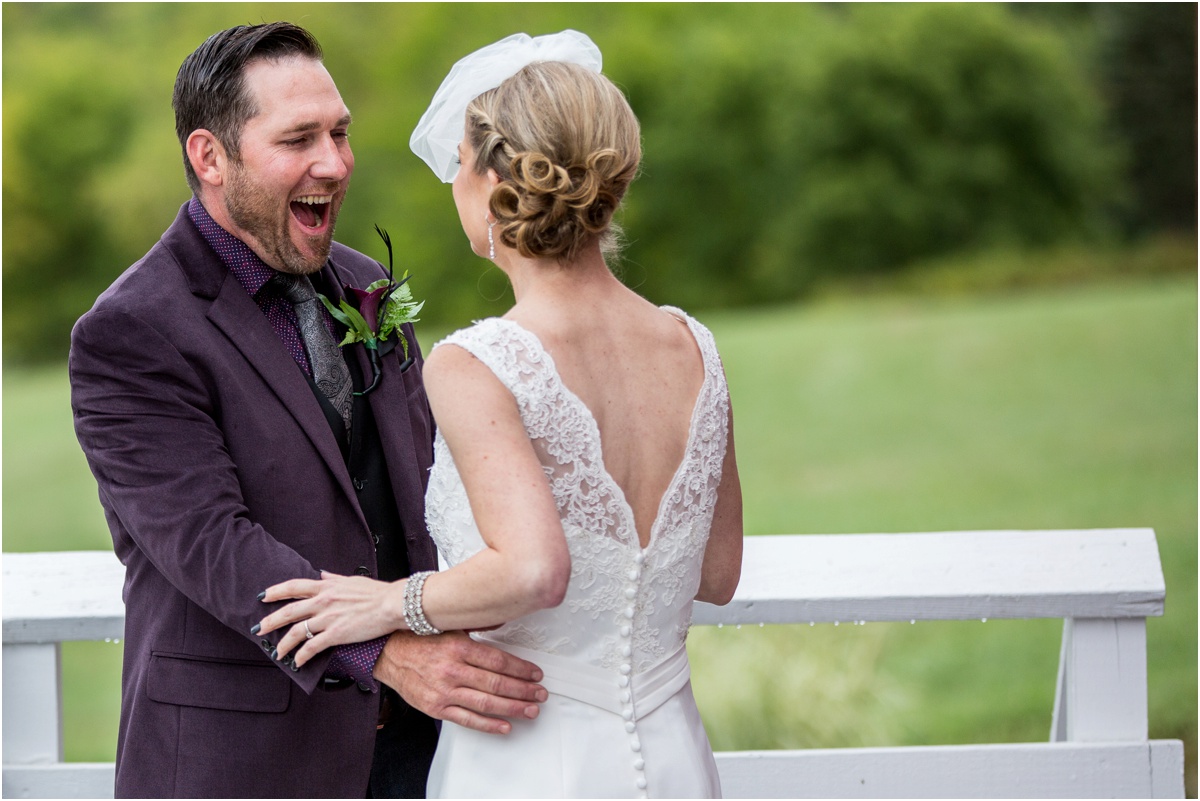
point(366, 688)
point(266, 645)
point(361, 571)
point(359, 484)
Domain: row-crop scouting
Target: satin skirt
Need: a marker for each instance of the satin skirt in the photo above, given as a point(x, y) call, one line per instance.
point(583, 745)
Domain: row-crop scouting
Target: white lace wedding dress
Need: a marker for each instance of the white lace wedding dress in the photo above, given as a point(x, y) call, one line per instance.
point(621, 720)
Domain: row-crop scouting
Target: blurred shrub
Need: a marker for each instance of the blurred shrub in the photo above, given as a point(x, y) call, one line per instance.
point(881, 135)
point(784, 142)
point(86, 190)
point(54, 230)
point(1147, 67)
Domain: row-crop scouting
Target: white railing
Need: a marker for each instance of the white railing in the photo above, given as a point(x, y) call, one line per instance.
point(1103, 583)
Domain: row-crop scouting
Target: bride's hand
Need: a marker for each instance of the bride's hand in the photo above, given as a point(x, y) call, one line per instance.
point(337, 610)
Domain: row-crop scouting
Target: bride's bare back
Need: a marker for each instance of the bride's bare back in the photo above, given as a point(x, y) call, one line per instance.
point(638, 370)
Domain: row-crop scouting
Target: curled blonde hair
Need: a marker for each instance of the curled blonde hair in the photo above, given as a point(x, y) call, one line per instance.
point(566, 146)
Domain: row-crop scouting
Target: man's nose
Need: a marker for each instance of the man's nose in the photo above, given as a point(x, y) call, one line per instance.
point(332, 160)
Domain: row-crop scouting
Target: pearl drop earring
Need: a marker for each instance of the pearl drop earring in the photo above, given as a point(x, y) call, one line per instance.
point(491, 242)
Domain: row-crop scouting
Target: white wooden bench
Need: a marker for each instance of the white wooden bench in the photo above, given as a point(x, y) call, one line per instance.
point(1103, 583)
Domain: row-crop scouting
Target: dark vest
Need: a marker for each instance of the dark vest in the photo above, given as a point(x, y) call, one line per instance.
point(369, 475)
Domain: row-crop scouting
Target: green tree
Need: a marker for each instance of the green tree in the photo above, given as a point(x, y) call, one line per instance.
point(1147, 66)
point(55, 228)
point(859, 141)
point(942, 128)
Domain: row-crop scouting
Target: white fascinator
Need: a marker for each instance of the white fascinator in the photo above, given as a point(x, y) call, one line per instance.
point(441, 128)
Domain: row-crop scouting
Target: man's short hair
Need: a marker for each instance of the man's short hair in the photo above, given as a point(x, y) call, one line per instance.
point(210, 89)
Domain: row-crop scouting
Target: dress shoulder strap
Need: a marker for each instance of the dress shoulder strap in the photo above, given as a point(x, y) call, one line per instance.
point(704, 340)
point(514, 355)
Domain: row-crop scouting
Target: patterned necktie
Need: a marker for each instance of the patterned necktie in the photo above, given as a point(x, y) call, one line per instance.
point(328, 367)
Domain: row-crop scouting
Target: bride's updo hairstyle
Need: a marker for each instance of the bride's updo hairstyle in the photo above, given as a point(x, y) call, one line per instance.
point(566, 146)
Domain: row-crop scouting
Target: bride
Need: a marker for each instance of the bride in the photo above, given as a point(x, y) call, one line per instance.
point(584, 489)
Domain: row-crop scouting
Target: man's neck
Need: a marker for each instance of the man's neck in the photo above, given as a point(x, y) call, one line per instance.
point(220, 215)
point(250, 270)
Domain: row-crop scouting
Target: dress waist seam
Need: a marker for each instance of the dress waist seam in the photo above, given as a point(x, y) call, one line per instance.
point(603, 687)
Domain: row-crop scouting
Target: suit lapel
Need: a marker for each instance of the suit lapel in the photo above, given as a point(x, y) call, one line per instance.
point(390, 407)
point(240, 319)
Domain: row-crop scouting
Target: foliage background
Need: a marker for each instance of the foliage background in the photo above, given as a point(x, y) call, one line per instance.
point(856, 190)
point(786, 145)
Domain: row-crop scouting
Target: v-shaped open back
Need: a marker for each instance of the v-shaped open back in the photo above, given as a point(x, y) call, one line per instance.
point(567, 437)
point(580, 408)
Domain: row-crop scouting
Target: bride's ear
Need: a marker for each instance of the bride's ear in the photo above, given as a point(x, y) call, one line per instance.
point(493, 178)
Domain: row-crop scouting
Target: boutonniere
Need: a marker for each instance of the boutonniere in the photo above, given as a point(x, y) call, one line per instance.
point(373, 314)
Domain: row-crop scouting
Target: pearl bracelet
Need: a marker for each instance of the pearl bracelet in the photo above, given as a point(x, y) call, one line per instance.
point(414, 612)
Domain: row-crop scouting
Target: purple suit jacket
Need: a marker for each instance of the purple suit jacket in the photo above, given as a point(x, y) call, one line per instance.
point(219, 476)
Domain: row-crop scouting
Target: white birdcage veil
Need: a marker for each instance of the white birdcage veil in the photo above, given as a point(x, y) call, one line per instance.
point(436, 137)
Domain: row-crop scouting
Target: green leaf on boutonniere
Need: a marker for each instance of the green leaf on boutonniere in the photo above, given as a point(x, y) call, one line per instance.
point(357, 329)
point(399, 309)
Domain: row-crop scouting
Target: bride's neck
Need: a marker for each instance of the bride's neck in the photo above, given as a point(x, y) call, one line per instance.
point(538, 281)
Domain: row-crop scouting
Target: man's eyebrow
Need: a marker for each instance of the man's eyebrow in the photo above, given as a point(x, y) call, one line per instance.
point(310, 125)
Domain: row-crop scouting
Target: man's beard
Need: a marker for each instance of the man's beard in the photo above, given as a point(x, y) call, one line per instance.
point(257, 212)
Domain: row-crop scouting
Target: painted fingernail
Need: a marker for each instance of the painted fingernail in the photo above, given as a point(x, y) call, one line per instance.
point(255, 628)
point(262, 595)
point(274, 653)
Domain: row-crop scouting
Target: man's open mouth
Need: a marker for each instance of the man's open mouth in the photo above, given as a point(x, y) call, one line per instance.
point(312, 211)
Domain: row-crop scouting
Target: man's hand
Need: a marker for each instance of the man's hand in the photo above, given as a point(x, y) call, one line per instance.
point(452, 677)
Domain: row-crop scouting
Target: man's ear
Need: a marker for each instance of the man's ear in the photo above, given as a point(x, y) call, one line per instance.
point(207, 156)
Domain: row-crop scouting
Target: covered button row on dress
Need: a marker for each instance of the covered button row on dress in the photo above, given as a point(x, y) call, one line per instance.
point(626, 670)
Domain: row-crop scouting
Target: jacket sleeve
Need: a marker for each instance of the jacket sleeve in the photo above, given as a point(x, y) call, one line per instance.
point(146, 422)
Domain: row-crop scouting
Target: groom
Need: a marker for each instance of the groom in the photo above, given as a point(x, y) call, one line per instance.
point(233, 450)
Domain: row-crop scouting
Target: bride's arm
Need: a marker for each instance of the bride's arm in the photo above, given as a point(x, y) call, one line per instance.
point(722, 566)
point(525, 565)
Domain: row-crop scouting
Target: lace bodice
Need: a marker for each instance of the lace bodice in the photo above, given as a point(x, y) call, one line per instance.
point(626, 608)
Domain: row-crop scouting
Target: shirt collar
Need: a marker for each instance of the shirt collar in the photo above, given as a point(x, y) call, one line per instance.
point(250, 271)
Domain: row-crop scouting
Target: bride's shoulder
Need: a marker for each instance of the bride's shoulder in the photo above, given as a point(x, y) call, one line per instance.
point(504, 346)
point(465, 357)
point(488, 332)
point(704, 340)
point(699, 330)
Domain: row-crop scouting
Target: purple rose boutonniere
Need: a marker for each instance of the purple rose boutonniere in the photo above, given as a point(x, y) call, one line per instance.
point(374, 314)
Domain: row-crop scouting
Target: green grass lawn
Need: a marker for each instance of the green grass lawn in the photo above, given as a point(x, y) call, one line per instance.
point(1054, 408)
point(1062, 408)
